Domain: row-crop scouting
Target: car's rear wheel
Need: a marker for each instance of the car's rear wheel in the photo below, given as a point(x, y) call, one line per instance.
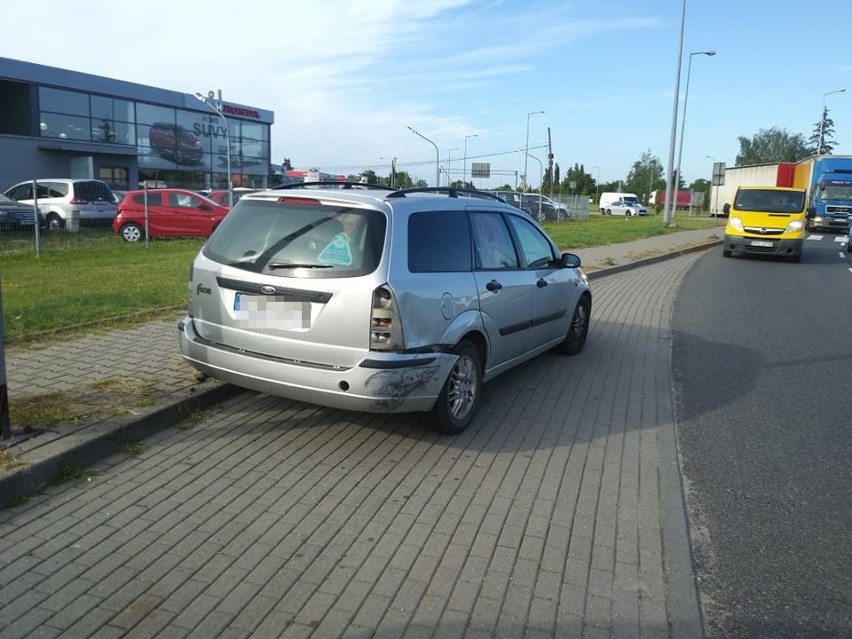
point(132, 232)
point(579, 329)
point(459, 398)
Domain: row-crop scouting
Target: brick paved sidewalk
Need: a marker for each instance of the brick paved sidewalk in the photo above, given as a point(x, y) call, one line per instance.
point(559, 513)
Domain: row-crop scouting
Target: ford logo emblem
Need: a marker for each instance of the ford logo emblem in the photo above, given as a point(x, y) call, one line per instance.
point(267, 290)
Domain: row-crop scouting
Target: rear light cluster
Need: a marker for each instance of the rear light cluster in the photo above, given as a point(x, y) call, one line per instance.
point(385, 326)
point(78, 200)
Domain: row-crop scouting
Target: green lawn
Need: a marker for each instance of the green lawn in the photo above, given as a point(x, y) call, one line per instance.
point(100, 279)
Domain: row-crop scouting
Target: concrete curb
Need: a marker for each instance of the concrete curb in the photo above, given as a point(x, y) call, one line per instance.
point(652, 260)
point(22, 482)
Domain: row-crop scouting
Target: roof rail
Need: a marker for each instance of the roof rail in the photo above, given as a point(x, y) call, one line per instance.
point(450, 191)
point(334, 183)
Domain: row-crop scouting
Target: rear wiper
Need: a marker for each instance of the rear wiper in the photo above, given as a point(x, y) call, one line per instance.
point(275, 265)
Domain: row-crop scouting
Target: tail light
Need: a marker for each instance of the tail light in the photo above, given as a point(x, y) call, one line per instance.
point(385, 326)
point(78, 200)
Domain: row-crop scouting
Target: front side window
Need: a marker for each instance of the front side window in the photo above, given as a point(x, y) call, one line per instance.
point(299, 237)
point(535, 247)
point(494, 248)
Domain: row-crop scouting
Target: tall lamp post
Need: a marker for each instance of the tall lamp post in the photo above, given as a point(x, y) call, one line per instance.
point(541, 179)
point(527, 144)
point(437, 156)
point(672, 194)
point(215, 105)
point(673, 136)
point(464, 165)
point(822, 119)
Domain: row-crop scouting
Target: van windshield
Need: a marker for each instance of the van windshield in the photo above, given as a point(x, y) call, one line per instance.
point(770, 201)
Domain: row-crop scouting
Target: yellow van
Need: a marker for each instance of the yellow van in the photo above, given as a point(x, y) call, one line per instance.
point(767, 220)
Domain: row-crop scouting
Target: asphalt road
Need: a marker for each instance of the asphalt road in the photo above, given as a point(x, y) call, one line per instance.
point(762, 364)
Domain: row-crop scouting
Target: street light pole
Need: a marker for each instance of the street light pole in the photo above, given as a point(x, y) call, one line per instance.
point(393, 170)
point(527, 144)
point(670, 167)
point(210, 103)
point(671, 194)
point(822, 119)
point(437, 156)
point(464, 166)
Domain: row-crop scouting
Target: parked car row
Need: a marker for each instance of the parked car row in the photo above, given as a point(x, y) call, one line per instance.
point(71, 203)
point(537, 206)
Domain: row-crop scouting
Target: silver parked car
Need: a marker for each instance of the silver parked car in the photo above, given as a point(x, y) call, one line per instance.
point(625, 206)
point(379, 300)
point(67, 201)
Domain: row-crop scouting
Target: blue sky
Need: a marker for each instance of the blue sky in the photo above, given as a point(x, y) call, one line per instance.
point(347, 78)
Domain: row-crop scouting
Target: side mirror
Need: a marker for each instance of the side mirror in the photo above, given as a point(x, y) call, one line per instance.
point(570, 260)
point(205, 207)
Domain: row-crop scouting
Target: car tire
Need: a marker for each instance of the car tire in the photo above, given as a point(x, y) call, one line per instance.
point(575, 339)
point(54, 222)
point(608, 212)
point(132, 232)
point(726, 253)
point(459, 398)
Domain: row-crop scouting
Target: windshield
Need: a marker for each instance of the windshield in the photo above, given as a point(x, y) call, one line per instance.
point(770, 201)
point(299, 237)
point(836, 192)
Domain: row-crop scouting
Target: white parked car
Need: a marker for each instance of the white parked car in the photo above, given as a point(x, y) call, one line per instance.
point(625, 206)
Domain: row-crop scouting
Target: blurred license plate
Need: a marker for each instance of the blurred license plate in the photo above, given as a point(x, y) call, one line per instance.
point(764, 243)
point(261, 311)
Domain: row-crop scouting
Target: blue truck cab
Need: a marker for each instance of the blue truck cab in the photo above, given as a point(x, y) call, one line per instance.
point(830, 193)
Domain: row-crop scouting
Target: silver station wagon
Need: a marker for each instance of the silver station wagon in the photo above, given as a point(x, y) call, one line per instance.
point(380, 300)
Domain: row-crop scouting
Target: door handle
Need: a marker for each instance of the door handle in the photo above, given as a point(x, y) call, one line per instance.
point(494, 285)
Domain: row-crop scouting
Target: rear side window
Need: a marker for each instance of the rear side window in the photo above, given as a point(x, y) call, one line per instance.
point(299, 237)
point(154, 199)
point(92, 190)
point(439, 242)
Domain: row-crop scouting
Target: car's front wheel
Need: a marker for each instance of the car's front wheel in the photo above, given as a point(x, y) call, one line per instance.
point(54, 222)
point(579, 329)
point(459, 398)
point(132, 232)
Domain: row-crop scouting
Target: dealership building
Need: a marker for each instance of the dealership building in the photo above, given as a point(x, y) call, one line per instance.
point(56, 123)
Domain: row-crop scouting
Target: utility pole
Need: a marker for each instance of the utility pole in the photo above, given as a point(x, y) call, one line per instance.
point(550, 161)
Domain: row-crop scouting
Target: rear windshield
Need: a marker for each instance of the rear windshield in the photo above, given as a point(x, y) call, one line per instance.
point(92, 190)
point(299, 237)
point(770, 201)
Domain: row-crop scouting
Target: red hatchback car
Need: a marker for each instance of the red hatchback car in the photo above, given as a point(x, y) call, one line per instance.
point(171, 213)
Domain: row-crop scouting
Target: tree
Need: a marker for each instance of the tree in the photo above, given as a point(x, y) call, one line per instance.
point(584, 183)
point(825, 127)
point(771, 145)
point(645, 176)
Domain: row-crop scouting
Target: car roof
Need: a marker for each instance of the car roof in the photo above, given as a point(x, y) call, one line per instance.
point(381, 196)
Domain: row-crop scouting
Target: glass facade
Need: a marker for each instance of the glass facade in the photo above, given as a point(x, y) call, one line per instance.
point(177, 146)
